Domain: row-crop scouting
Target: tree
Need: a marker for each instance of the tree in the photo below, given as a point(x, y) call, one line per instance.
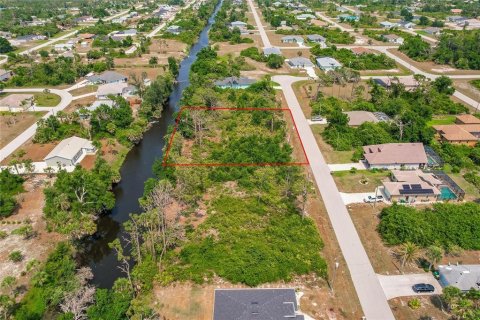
point(408, 252)
point(444, 84)
point(434, 254)
point(424, 21)
point(153, 61)
point(75, 302)
point(5, 46)
point(275, 61)
point(406, 14)
point(173, 65)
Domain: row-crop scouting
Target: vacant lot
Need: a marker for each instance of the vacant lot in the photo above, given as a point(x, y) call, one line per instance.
point(430, 308)
point(43, 99)
point(330, 155)
point(12, 124)
point(37, 247)
point(84, 90)
point(467, 88)
point(34, 151)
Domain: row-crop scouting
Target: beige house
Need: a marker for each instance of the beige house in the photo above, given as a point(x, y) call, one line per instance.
point(466, 130)
point(17, 102)
point(413, 186)
point(395, 156)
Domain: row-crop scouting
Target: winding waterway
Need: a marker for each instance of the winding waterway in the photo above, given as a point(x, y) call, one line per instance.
point(136, 169)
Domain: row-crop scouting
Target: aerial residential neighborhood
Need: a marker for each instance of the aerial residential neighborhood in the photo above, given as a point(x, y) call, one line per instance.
point(240, 159)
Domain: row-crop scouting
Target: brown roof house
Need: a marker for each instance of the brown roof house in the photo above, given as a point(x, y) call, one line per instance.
point(395, 156)
point(466, 130)
point(16, 102)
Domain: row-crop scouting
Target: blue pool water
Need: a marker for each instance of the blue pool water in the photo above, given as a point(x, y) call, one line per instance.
point(447, 194)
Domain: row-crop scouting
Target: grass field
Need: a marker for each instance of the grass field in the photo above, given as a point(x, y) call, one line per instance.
point(43, 99)
point(439, 120)
point(475, 83)
point(359, 181)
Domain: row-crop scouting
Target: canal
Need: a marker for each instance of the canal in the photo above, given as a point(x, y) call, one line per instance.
point(136, 169)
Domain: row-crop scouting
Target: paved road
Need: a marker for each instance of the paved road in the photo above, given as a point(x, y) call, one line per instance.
point(66, 98)
point(329, 20)
point(401, 285)
point(162, 25)
point(261, 29)
point(372, 298)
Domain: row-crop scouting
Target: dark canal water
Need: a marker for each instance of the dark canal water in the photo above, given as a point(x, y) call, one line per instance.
point(136, 169)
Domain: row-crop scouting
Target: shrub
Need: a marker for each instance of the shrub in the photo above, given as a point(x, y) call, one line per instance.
point(414, 303)
point(15, 256)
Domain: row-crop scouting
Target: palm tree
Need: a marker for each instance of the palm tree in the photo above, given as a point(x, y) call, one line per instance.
point(434, 254)
point(408, 252)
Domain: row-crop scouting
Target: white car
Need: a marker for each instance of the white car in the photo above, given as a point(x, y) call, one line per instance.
point(316, 118)
point(371, 199)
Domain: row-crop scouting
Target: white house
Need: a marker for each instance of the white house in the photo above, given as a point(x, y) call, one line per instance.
point(242, 26)
point(463, 277)
point(116, 89)
point(328, 63)
point(63, 46)
point(69, 152)
point(393, 38)
point(299, 62)
point(292, 39)
point(387, 24)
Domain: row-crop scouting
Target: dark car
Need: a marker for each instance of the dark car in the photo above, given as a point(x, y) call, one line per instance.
point(423, 287)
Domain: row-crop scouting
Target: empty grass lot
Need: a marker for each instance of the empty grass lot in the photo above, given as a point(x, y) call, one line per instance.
point(441, 120)
point(43, 99)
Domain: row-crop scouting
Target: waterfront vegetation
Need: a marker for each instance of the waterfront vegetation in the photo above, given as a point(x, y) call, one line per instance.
point(221, 31)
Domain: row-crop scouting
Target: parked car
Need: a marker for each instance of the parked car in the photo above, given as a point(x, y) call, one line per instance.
point(423, 287)
point(316, 118)
point(371, 199)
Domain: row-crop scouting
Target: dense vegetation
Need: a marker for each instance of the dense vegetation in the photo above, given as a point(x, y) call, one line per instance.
point(410, 120)
point(191, 22)
point(463, 305)
point(368, 61)
point(445, 224)
point(12, 184)
point(228, 13)
point(457, 48)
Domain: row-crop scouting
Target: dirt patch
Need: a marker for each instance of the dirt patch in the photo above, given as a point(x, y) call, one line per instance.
point(467, 89)
point(13, 124)
point(34, 151)
point(152, 73)
point(77, 104)
point(29, 212)
point(430, 308)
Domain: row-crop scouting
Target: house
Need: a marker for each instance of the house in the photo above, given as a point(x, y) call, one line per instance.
point(292, 39)
point(235, 83)
point(300, 62)
point(271, 50)
point(30, 37)
point(98, 103)
point(114, 89)
point(126, 33)
point(463, 277)
point(84, 19)
point(341, 9)
point(69, 152)
point(256, 304)
point(277, 4)
point(242, 26)
point(406, 25)
point(328, 63)
point(305, 16)
point(466, 130)
point(410, 83)
point(387, 24)
point(174, 29)
point(316, 38)
point(467, 119)
point(456, 19)
point(17, 102)
point(63, 46)
point(393, 38)
point(348, 18)
point(107, 77)
point(87, 36)
point(5, 74)
point(395, 156)
point(413, 186)
point(434, 31)
point(456, 11)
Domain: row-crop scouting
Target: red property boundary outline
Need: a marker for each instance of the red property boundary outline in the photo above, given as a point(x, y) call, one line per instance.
point(177, 120)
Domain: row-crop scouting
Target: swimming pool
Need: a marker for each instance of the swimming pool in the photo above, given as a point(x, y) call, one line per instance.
point(447, 194)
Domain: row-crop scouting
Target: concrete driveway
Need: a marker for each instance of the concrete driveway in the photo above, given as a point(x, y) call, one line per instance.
point(347, 166)
point(401, 285)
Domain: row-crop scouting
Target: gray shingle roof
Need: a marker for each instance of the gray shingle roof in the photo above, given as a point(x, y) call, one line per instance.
point(107, 77)
point(300, 62)
point(258, 304)
point(464, 277)
point(230, 81)
point(316, 37)
point(272, 50)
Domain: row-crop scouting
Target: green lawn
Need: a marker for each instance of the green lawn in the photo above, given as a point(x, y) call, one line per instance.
point(439, 120)
point(43, 99)
point(352, 182)
point(471, 192)
point(475, 83)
